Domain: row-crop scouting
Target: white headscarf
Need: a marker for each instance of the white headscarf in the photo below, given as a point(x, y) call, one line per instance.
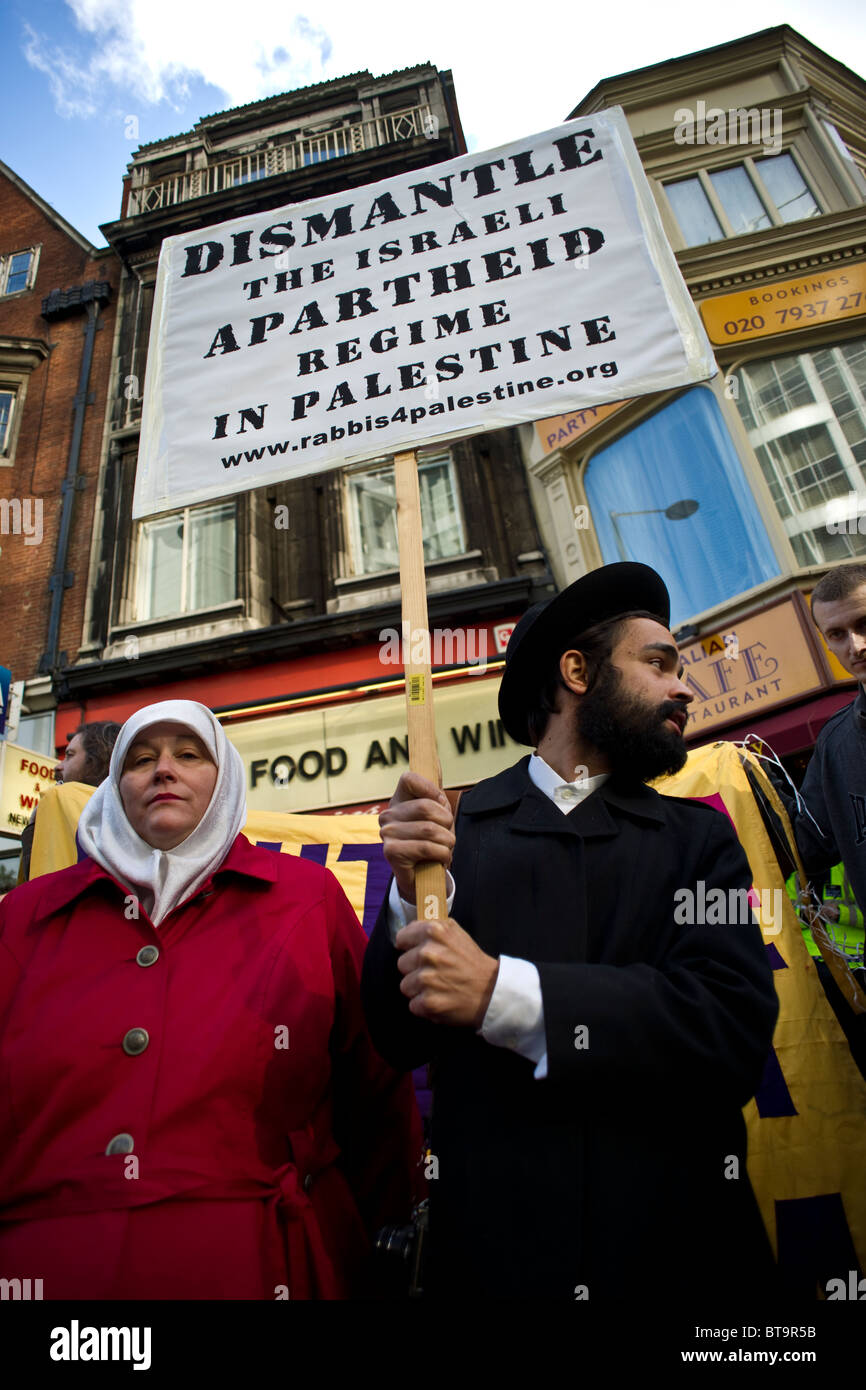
point(163, 878)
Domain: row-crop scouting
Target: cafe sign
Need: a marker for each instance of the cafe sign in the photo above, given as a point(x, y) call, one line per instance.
point(746, 669)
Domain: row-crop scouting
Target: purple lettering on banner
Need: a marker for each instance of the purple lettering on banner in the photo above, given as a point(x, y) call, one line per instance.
point(814, 1242)
point(777, 962)
point(318, 853)
point(378, 877)
point(772, 1096)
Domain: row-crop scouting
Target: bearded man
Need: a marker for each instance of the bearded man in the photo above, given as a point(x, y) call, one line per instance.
point(591, 1055)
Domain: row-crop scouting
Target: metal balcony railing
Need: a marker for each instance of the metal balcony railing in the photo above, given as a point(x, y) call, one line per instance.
point(304, 149)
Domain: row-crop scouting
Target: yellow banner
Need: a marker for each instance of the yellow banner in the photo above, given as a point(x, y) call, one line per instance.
point(783, 305)
point(807, 1124)
point(347, 845)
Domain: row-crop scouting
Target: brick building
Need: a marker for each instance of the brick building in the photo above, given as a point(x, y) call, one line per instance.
point(57, 296)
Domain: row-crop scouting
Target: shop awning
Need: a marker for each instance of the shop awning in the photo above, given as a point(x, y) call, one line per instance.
point(791, 730)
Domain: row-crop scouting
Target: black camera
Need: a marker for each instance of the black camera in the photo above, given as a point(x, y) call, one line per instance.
point(404, 1248)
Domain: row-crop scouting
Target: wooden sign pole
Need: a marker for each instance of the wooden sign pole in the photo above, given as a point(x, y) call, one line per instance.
point(430, 895)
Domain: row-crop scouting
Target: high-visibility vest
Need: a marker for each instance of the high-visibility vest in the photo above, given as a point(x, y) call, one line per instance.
point(848, 932)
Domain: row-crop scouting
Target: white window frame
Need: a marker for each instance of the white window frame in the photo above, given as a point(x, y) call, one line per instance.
point(386, 464)
point(5, 266)
point(746, 162)
point(803, 520)
point(142, 569)
point(7, 444)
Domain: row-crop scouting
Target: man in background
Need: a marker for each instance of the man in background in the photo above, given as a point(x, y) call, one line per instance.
point(88, 753)
point(829, 822)
point(833, 825)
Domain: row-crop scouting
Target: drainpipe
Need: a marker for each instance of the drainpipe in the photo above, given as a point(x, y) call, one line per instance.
point(58, 305)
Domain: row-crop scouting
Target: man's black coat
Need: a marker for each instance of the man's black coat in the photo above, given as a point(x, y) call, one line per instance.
point(623, 1172)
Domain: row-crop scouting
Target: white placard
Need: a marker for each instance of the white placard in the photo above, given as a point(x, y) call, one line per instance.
point(484, 291)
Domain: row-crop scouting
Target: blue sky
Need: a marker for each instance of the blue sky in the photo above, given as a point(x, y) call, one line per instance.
point(75, 71)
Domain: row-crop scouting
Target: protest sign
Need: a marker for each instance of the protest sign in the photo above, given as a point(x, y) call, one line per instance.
point(484, 291)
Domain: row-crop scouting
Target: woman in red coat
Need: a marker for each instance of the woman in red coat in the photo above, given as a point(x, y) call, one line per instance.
point(190, 1104)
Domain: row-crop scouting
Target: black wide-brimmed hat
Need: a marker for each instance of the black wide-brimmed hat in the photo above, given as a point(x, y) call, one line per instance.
point(545, 630)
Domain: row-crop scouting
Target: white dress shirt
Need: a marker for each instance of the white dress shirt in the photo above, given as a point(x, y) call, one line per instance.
point(515, 1014)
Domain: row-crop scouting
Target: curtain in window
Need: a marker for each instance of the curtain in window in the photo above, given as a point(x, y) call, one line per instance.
point(698, 222)
point(374, 503)
point(210, 558)
point(439, 513)
point(682, 454)
point(19, 268)
point(375, 500)
point(736, 193)
point(6, 402)
point(160, 574)
point(785, 185)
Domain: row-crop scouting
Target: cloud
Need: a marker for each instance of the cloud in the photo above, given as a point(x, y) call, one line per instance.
point(134, 47)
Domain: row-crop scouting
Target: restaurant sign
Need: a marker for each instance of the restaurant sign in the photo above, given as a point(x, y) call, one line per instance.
point(354, 752)
point(747, 668)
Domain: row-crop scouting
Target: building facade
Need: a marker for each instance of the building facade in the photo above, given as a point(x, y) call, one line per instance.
point(744, 490)
point(57, 309)
point(276, 607)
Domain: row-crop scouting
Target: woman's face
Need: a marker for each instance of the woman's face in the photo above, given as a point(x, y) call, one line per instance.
point(166, 785)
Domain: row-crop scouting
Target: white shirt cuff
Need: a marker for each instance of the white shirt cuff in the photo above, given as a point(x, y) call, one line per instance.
point(515, 1014)
point(400, 911)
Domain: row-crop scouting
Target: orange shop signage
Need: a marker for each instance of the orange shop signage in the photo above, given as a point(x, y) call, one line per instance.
point(748, 668)
point(778, 306)
point(564, 429)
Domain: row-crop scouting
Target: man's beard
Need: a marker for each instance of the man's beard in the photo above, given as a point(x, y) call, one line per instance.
point(628, 731)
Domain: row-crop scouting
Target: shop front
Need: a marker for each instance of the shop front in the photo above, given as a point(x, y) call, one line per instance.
point(327, 732)
point(768, 674)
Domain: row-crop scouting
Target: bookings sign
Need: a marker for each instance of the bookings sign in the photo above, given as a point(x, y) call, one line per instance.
point(746, 669)
point(355, 752)
point(485, 291)
point(783, 305)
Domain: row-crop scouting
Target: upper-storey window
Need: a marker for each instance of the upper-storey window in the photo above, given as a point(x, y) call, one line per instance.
point(373, 514)
point(186, 561)
point(805, 413)
point(7, 405)
point(18, 271)
point(325, 143)
point(745, 197)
